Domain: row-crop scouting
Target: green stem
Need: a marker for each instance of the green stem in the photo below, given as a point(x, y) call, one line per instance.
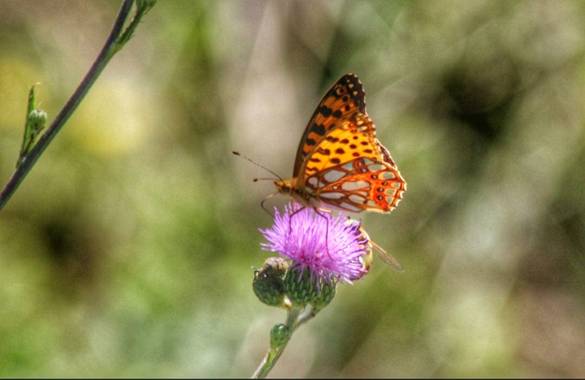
point(117, 38)
point(293, 321)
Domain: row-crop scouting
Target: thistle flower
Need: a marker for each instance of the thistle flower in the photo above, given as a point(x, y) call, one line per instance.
point(332, 248)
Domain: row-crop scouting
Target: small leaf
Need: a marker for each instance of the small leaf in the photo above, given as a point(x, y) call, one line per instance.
point(145, 5)
point(34, 124)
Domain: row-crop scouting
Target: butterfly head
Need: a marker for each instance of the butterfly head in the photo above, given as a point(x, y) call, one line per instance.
point(284, 186)
point(290, 187)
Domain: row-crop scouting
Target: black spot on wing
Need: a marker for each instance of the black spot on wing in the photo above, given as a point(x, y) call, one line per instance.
point(349, 87)
point(318, 129)
point(355, 90)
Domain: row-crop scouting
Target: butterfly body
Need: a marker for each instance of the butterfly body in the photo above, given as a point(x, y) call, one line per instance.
point(290, 187)
point(340, 163)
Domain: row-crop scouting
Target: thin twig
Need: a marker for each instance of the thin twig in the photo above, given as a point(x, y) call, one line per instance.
point(294, 320)
point(118, 36)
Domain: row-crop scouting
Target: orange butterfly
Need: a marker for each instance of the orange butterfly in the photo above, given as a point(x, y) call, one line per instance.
point(340, 163)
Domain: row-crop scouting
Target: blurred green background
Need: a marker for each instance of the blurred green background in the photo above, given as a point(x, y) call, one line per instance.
point(129, 250)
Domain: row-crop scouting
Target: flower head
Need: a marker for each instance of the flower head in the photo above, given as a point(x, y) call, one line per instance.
point(330, 247)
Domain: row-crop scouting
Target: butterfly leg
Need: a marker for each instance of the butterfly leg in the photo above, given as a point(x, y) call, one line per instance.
point(290, 218)
point(317, 209)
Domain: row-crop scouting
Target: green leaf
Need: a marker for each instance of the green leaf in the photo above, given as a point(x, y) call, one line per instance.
point(36, 120)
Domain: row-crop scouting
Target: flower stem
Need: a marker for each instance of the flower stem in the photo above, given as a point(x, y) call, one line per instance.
point(116, 40)
point(294, 319)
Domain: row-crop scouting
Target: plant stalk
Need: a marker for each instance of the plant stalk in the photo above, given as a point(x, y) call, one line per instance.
point(118, 36)
point(294, 320)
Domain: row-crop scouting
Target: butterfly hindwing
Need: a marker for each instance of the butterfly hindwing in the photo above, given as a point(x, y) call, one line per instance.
point(344, 99)
point(358, 185)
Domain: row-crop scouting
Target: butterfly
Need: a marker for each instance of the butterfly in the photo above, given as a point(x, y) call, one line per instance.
point(340, 163)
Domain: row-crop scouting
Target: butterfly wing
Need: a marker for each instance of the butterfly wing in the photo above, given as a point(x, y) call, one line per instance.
point(340, 161)
point(351, 170)
point(354, 137)
point(358, 185)
point(343, 100)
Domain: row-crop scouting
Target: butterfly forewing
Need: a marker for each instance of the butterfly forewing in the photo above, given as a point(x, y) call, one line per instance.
point(355, 137)
point(344, 99)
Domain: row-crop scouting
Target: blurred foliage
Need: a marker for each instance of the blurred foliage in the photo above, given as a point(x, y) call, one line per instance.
point(129, 249)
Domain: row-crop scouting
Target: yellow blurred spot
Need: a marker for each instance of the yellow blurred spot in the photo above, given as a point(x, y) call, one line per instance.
point(113, 119)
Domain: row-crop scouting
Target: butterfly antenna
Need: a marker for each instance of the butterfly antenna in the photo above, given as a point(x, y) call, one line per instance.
point(257, 164)
point(263, 179)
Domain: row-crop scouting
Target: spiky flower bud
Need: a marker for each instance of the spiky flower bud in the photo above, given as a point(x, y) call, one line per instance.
point(268, 281)
point(300, 286)
point(325, 295)
point(279, 335)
